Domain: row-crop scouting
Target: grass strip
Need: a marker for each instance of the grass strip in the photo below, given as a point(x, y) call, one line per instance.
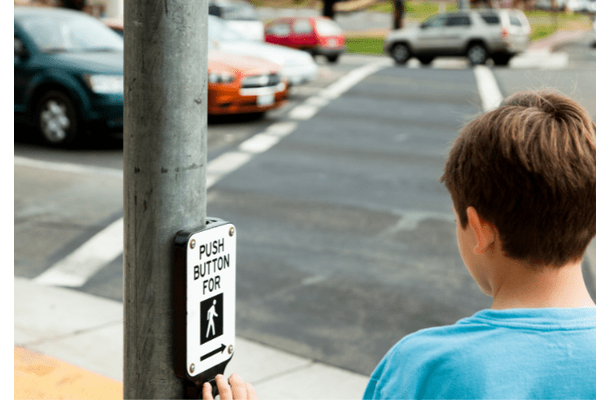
point(364, 44)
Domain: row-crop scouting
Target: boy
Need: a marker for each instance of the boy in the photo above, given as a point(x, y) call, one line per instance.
point(522, 181)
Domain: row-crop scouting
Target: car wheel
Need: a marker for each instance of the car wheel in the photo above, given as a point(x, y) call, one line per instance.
point(56, 118)
point(332, 58)
point(477, 54)
point(425, 60)
point(501, 59)
point(401, 53)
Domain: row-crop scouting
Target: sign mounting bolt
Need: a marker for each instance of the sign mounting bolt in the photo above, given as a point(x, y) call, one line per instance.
point(231, 231)
point(230, 349)
point(192, 368)
point(192, 243)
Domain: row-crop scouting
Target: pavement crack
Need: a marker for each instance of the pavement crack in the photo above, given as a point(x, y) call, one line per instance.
point(76, 332)
point(309, 364)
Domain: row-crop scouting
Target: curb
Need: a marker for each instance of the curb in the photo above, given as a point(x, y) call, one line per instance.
point(559, 38)
point(77, 338)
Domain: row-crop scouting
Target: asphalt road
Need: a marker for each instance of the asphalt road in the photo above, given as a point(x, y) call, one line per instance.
point(346, 237)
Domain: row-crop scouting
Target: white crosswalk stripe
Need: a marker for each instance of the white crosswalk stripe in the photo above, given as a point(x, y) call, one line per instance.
point(535, 59)
point(78, 267)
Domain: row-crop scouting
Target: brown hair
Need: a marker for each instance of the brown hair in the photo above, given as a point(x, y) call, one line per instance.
point(528, 167)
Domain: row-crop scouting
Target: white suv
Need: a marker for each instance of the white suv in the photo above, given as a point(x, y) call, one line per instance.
point(476, 34)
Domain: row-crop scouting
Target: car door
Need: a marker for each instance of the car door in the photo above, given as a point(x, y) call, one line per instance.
point(278, 33)
point(302, 35)
point(429, 38)
point(24, 68)
point(456, 33)
point(519, 30)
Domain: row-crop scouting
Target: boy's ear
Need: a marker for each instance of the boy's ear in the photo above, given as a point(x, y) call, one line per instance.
point(484, 230)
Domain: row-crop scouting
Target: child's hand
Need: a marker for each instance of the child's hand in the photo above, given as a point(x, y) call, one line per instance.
point(235, 389)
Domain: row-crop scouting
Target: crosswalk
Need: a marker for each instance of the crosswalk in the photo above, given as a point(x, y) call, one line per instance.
point(107, 244)
point(84, 262)
point(534, 59)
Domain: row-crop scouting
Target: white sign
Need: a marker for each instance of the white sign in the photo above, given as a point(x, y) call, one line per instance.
point(210, 298)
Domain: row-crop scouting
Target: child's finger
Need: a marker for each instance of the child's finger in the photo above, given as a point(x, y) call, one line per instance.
point(224, 390)
point(207, 392)
point(251, 393)
point(238, 387)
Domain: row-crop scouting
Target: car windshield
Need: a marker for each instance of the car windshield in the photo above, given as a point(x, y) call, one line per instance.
point(218, 30)
point(327, 28)
point(69, 32)
point(435, 21)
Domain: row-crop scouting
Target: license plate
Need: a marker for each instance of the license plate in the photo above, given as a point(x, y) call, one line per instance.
point(265, 100)
point(332, 43)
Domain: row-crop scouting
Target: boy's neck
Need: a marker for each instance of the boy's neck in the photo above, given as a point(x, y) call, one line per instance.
point(519, 287)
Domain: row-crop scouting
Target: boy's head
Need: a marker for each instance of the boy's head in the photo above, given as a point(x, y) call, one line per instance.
point(528, 167)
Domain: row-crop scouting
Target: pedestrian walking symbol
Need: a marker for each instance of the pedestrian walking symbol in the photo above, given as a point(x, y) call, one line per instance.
point(211, 318)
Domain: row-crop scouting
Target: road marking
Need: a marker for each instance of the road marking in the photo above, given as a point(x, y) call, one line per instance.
point(66, 167)
point(531, 59)
point(78, 267)
point(540, 59)
point(491, 97)
point(282, 129)
point(410, 219)
point(303, 112)
point(259, 143)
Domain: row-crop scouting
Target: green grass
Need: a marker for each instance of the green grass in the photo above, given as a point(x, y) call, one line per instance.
point(364, 44)
point(545, 23)
point(420, 10)
point(562, 16)
point(541, 31)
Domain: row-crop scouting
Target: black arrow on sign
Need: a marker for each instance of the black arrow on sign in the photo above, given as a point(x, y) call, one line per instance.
point(211, 353)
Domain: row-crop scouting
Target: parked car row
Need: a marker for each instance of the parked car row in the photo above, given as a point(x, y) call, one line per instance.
point(69, 72)
point(69, 65)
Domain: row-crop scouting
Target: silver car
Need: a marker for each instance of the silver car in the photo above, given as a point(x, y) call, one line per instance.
point(476, 34)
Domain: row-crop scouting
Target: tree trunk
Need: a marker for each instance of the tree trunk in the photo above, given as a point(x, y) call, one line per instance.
point(399, 13)
point(328, 10)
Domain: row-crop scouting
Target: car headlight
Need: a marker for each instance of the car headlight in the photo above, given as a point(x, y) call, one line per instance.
point(104, 84)
point(220, 77)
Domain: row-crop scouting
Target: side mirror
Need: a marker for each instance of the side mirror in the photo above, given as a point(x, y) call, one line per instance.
point(20, 51)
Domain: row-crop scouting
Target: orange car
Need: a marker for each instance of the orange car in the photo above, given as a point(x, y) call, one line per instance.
point(241, 84)
point(237, 84)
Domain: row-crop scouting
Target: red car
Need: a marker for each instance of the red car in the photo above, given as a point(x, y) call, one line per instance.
point(317, 35)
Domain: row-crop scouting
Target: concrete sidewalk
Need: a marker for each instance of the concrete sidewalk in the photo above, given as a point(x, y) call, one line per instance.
point(68, 344)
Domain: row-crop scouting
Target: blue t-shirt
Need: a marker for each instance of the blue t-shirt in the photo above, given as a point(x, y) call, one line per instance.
point(495, 354)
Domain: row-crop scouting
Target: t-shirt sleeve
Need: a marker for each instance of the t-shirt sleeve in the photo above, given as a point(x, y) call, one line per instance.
point(371, 391)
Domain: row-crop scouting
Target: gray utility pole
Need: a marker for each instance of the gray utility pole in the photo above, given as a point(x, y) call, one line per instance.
point(464, 4)
point(165, 151)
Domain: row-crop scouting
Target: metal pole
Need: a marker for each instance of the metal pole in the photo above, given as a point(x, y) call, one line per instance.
point(464, 4)
point(165, 152)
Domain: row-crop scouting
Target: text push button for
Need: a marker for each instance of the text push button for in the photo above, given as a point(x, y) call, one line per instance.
point(207, 271)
